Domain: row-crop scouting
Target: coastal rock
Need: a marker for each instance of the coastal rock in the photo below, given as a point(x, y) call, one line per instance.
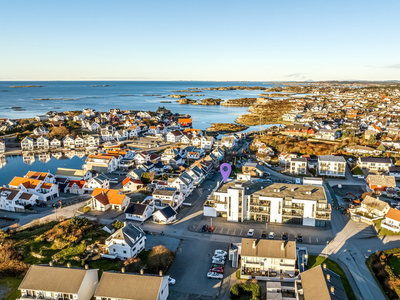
point(187, 101)
point(211, 101)
point(241, 102)
point(226, 127)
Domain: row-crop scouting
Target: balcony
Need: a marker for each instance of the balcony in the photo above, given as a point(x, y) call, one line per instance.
point(292, 214)
point(259, 210)
point(261, 203)
point(327, 209)
point(293, 206)
point(324, 217)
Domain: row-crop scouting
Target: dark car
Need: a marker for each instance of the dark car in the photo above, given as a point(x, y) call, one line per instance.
point(217, 270)
point(299, 238)
point(284, 236)
point(211, 228)
point(264, 235)
point(204, 228)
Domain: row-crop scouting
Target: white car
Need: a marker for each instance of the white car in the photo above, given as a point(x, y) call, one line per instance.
point(215, 257)
point(220, 252)
point(250, 232)
point(171, 281)
point(271, 235)
point(214, 275)
point(218, 261)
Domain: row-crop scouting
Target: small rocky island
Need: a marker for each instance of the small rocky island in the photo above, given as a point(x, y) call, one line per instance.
point(24, 86)
point(226, 127)
point(241, 102)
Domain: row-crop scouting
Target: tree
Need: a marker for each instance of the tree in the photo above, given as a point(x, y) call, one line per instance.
point(145, 177)
point(372, 140)
point(273, 143)
point(381, 147)
point(160, 258)
point(59, 132)
point(77, 223)
point(117, 225)
point(346, 133)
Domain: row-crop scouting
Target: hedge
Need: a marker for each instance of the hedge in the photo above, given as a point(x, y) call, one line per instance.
point(239, 289)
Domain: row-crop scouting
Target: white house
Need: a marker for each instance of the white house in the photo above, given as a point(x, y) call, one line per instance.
point(267, 256)
point(102, 163)
point(166, 215)
point(167, 197)
point(129, 184)
point(44, 190)
point(27, 144)
point(100, 181)
point(42, 143)
point(174, 136)
point(113, 286)
point(125, 243)
point(207, 142)
point(51, 282)
point(40, 131)
point(15, 200)
point(375, 163)
point(2, 146)
point(183, 184)
point(298, 166)
point(139, 211)
point(330, 165)
point(73, 174)
point(104, 199)
point(392, 220)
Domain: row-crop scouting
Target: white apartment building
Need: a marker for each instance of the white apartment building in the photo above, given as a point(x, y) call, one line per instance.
point(375, 163)
point(101, 163)
point(15, 200)
point(276, 203)
point(298, 166)
point(330, 165)
point(267, 256)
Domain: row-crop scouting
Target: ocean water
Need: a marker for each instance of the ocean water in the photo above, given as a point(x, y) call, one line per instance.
point(120, 94)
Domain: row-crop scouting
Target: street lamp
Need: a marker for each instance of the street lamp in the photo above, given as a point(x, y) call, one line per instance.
point(327, 245)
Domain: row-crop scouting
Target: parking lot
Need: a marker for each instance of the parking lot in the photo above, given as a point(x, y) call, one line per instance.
point(191, 266)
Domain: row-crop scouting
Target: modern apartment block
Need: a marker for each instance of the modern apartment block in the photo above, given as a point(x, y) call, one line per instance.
point(276, 203)
point(330, 165)
point(298, 166)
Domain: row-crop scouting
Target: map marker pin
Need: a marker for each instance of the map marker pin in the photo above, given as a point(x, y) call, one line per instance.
point(225, 171)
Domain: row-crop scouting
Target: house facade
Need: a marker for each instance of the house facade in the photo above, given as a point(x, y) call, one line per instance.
point(330, 165)
point(105, 199)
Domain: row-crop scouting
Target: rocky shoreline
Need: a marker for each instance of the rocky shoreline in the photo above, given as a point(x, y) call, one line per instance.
point(226, 128)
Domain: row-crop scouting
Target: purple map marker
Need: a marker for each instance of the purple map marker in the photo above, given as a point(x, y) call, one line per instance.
point(225, 171)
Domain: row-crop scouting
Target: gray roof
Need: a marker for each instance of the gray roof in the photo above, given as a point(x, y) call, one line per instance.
point(316, 285)
point(136, 209)
point(299, 159)
point(375, 160)
point(382, 180)
point(268, 248)
point(129, 286)
point(250, 187)
point(168, 212)
point(128, 233)
point(303, 192)
point(164, 192)
point(53, 279)
point(375, 203)
point(331, 158)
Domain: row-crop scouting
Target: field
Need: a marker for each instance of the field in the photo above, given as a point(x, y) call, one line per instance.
point(314, 261)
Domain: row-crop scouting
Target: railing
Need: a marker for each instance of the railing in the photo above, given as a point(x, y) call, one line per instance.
point(297, 207)
point(296, 214)
point(328, 209)
point(318, 216)
point(259, 210)
point(266, 204)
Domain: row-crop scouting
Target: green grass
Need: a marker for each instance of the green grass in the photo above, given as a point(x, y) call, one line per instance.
point(105, 265)
point(357, 171)
point(314, 261)
point(394, 263)
point(12, 283)
point(383, 231)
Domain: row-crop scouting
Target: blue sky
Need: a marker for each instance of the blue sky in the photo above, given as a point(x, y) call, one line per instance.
point(199, 40)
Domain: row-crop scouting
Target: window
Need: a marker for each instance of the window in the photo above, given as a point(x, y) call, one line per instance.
point(114, 250)
point(124, 252)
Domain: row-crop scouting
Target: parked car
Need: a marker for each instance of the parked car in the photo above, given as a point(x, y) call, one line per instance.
point(271, 235)
point(284, 236)
point(218, 256)
point(171, 281)
point(211, 228)
point(214, 275)
point(217, 270)
point(220, 252)
point(267, 180)
point(264, 235)
point(299, 238)
point(204, 228)
point(218, 261)
point(250, 232)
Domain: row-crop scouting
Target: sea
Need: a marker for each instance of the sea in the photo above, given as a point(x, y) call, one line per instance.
point(18, 103)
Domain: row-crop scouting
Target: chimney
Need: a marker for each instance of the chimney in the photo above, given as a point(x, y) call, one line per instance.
point(324, 266)
point(283, 246)
point(141, 271)
point(51, 263)
point(328, 277)
point(332, 290)
point(122, 270)
point(160, 273)
point(86, 267)
point(69, 265)
point(254, 244)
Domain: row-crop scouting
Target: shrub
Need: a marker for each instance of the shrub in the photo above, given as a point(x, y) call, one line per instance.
point(117, 225)
point(87, 209)
point(238, 274)
point(160, 259)
point(239, 289)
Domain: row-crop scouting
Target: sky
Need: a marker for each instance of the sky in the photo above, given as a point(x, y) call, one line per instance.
point(218, 40)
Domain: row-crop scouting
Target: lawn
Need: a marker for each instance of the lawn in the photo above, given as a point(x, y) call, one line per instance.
point(394, 263)
point(12, 283)
point(357, 171)
point(383, 231)
point(314, 261)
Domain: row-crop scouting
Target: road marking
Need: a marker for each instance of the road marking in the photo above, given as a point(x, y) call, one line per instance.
point(310, 239)
point(234, 232)
point(317, 240)
point(221, 230)
point(241, 232)
point(227, 232)
point(197, 227)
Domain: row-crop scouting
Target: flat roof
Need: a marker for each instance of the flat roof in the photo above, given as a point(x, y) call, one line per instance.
point(331, 158)
point(301, 192)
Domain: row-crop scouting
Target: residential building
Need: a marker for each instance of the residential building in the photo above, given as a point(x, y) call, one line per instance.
point(327, 134)
point(267, 256)
point(375, 163)
point(319, 283)
point(139, 211)
point(16, 200)
point(77, 187)
point(129, 184)
point(51, 282)
point(183, 184)
point(207, 142)
point(125, 243)
point(27, 144)
point(382, 184)
point(44, 176)
point(100, 181)
point(298, 166)
point(392, 220)
point(174, 136)
point(40, 131)
point(330, 165)
point(55, 143)
point(102, 163)
point(44, 190)
point(284, 158)
point(167, 197)
point(277, 203)
point(165, 215)
point(73, 174)
point(2, 146)
point(370, 210)
point(362, 150)
point(128, 286)
point(253, 169)
point(104, 199)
